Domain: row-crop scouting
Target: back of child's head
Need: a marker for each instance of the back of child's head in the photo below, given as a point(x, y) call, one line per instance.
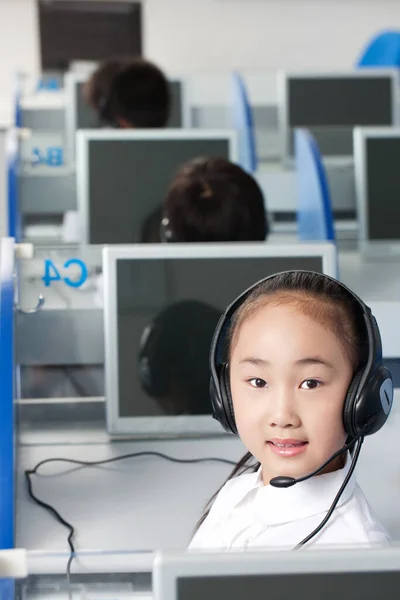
point(214, 200)
point(98, 87)
point(140, 96)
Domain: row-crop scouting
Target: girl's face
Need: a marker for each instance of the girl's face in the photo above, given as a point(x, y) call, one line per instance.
point(289, 377)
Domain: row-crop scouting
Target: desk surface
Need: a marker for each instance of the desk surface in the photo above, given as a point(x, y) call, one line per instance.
point(135, 504)
point(148, 503)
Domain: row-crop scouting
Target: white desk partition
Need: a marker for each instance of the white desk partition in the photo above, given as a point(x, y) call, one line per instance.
point(330, 104)
point(143, 285)
point(345, 574)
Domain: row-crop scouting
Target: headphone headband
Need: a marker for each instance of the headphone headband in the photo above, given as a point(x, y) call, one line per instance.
point(363, 379)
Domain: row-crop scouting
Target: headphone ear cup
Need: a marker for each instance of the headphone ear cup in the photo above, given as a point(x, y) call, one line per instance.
point(367, 410)
point(349, 404)
point(227, 398)
point(221, 400)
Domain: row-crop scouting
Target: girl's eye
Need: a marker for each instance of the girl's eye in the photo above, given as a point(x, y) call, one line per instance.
point(310, 384)
point(257, 382)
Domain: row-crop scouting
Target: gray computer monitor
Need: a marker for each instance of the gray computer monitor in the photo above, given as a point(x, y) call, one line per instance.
point(348, 574)
point(123, 176)
point(80, 116)
point(330, 105)
point(377, 178)
point(161, 306)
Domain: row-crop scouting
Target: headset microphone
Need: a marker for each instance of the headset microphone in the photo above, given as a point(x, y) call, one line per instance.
point(285, 482)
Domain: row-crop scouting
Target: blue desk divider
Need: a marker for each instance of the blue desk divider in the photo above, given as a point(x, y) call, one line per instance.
point(382, 51)
point(6, 404)
point(314, 212)
point(242, 118)
point(14, 224)
point(7, 589)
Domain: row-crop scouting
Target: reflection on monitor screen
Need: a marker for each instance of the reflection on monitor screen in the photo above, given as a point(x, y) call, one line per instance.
point(167, 310)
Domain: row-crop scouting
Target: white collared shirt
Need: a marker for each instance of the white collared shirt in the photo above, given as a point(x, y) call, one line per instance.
point(247, 514)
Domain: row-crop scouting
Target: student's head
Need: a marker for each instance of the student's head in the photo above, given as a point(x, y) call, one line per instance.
point(98, 87)
point(294, 347)
point(214, 200)
point(173, 357)
point(139, 96)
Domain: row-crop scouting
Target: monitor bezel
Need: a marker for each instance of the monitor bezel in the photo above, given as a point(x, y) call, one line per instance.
point(369, 247)
point(85, 136)
point(176, 426)
point(283, 79)
point(168, 567)
point(71, 80)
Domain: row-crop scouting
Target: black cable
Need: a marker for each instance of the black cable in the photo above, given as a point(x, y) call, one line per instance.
point(337, 497)
point(83, 463)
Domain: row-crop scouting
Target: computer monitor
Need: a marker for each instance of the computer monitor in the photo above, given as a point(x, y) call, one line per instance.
point(330, 105)
point(162, 303)
point(123, 176)
point(348, 574)
point(377, 179)
point(80, 116)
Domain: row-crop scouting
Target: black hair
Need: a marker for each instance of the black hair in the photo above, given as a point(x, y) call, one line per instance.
point(176, 352)
point(214, 200)
point(97, 89)
point(321, 298)
point(140, 96)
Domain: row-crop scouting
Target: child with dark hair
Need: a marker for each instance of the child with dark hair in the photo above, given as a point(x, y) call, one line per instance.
point(139, 96)
point(214, 200)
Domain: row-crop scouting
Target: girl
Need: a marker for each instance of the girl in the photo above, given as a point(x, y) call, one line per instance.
point(305, 377)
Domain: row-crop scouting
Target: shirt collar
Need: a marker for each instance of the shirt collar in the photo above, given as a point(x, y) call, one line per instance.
point(305, 499)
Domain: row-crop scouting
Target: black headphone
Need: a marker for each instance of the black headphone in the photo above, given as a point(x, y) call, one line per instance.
point(369, 398)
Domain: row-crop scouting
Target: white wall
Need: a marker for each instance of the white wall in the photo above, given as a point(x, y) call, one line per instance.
point(212, 35)
point(19, 47)
point(251, 34)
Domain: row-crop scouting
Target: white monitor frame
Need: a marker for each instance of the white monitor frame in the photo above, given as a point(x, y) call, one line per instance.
point(71, 80)
point(169, 567)
point(367, 246)
point(85, 136)
point(283, 79)
point(177, 426)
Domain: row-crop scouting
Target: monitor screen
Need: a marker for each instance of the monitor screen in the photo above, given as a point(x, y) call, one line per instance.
point(382, 174)
point(167, 310)
point(87, 118)
point(121, 192)
point(330, 107)
point(314, 586)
